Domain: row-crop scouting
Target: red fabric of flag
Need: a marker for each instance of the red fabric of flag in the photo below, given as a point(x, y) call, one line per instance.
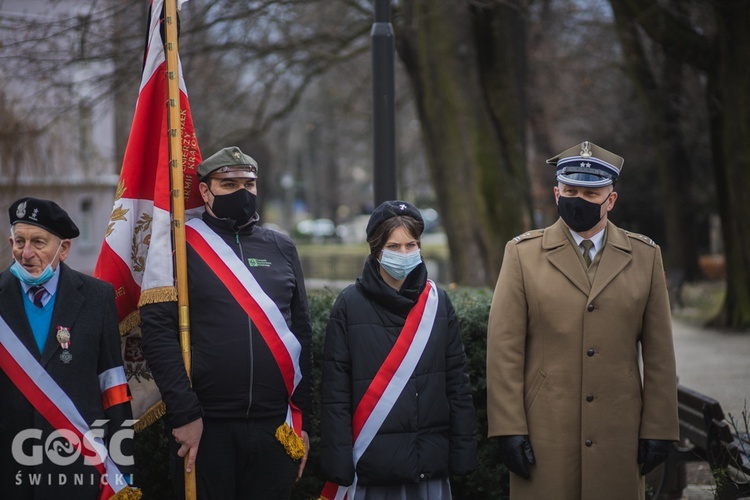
point(136, 255)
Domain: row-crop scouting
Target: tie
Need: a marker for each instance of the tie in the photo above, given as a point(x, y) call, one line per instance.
point(587, 245)
point(37, 292)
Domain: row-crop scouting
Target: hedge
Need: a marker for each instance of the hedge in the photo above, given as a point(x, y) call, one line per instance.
point(488, 481)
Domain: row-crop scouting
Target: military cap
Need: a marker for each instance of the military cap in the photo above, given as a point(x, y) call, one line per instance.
point(45, 214)
point(229, 159)
point(390, 209)
point(587, 165)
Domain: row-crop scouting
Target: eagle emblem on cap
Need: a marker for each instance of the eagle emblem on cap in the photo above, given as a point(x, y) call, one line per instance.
point(21, 210)
point(237, 155)
point(586, 149)
point(402, 207)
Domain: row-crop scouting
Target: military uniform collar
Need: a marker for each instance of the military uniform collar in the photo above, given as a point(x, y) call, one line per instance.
point(554, 236)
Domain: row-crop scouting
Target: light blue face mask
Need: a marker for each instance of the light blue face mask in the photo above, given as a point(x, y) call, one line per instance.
point(22, 274)
point(398, 265)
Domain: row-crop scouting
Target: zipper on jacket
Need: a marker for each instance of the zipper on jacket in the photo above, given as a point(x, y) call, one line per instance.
point(249, 338)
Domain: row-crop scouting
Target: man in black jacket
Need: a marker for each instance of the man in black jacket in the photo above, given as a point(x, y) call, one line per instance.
point(244, 420)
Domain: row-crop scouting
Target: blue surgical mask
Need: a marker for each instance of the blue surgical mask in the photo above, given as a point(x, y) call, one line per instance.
point(398, 265)
point(22, 274)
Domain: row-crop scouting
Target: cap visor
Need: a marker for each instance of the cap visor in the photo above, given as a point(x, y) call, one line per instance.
point(584, 180)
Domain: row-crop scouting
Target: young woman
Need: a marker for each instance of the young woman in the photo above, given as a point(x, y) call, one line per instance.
point(397, 417)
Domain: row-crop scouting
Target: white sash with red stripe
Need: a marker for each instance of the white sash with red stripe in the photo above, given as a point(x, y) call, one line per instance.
point(263, 311)
point(48, 398)
point(388, 383)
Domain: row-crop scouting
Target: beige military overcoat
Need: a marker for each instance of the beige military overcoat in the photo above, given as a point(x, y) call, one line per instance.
point(563, 363)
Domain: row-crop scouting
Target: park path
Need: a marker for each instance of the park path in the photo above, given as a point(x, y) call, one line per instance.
point(716, 364)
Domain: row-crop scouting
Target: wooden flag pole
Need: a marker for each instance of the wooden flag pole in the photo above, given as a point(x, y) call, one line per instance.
point(178, 198)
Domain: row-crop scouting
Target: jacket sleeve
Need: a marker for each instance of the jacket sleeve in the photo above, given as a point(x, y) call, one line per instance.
point(302, 328)
point(117, 409)
point(506, 350)
point(337, 464)
point(463, 440)
point(659, 419)
point(161, 346)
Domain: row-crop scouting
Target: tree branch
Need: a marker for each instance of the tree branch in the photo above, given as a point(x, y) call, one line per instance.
point(679, 40)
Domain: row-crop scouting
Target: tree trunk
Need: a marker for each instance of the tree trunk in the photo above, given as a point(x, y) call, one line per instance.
point(729, 102)
point(466, 65)
point(661, 98)
point(723, 58)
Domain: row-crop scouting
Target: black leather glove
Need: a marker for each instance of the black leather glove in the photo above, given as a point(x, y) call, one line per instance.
point(652, 452)
point(516, 453)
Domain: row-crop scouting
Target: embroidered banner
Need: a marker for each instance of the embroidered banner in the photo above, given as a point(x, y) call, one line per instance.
point(136, 254)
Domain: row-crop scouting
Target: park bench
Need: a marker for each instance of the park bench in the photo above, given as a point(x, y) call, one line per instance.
point(705, 436)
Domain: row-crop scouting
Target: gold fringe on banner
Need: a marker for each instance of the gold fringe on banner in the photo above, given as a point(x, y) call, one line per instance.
point(131, 321)
point(150, 416)
point(293, 444)
point(158, 294)
point(128, 493)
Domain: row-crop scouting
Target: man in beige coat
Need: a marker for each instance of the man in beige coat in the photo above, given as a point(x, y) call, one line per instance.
point(569, 326)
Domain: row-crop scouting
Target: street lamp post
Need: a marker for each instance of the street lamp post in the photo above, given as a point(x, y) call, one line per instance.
point(384, 148)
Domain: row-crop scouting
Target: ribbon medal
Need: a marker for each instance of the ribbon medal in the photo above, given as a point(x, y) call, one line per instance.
point(63, 338)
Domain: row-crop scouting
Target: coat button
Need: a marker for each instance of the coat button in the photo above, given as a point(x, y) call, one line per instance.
point(590, 307)
point(589, 443)
point(421, 476)
point(590, 352)
point(589, 398)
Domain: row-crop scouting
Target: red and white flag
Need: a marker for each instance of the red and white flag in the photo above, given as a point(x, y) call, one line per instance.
point(136, 255)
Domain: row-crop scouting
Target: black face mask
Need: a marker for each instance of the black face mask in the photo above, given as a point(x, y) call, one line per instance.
point(580, 215)
point(239, 206)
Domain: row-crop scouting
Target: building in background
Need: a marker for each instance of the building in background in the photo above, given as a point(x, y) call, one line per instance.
point(58, 133)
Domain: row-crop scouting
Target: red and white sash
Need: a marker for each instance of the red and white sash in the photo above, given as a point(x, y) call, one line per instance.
point(57, 408)
point(263, 311)
point(388, 383)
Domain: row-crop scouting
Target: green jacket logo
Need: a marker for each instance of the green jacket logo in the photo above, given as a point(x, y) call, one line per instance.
point(258, 263)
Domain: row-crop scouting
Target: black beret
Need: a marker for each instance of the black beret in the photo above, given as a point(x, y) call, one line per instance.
point(45, 214)
point(390, 209)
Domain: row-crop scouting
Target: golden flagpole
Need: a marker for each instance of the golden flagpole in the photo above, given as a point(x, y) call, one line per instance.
point(178, 198)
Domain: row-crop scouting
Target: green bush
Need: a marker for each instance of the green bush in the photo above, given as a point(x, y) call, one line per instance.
point(488, 481)
point(152, 462)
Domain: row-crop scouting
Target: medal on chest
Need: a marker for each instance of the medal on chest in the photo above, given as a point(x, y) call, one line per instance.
point(63, 338)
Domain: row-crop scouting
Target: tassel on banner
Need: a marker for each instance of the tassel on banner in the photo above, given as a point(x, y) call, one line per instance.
point(128, 493)
point(158, 294)
point(150, 416)
point(292, 443)
point(131, 321)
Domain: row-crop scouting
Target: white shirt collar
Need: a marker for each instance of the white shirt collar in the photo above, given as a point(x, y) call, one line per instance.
point(50, 286)
point(597, 239)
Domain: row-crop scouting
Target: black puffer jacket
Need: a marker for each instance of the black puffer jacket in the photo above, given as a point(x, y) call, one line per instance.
point(430, 432)
point(234, 373)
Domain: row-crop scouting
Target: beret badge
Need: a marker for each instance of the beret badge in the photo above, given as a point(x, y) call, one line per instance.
point(21, 210)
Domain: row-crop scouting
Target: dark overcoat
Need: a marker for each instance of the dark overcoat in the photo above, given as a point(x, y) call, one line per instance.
point(563, 362)
point(86, 306)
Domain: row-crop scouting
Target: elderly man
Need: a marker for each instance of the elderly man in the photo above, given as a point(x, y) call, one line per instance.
point(243, 418)
point(573, 304)
point(63, 386)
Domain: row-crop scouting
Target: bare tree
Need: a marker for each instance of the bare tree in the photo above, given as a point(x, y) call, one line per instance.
point(289, 81)
point(662, 92)
point(721, 54)
point(467, 64)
